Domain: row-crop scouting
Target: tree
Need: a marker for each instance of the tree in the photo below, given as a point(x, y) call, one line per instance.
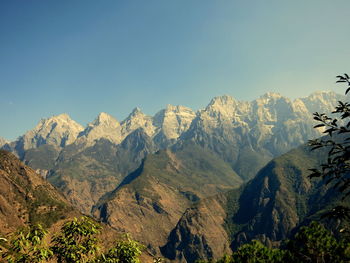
point(124, 251)
point(256, 252)
point(336, 171)
point(76, 242)
point(314, 243)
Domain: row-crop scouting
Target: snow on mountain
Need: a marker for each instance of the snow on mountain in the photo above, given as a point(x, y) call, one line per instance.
point(104, 126)
point(137, 119)
point(174, 120)
point(58, 131)
point(322, 101)
point(263, 118)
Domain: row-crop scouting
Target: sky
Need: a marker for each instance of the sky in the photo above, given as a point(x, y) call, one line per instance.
point(84, 57)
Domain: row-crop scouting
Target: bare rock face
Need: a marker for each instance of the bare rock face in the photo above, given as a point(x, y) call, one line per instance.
point(58, 131)
point(137, 119)
point(322, 101)
point(174, 120)
point(104, 126)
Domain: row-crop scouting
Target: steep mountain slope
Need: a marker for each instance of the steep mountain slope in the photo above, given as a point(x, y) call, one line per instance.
point(268, 208)
point(25, 197)
point(85, 174)
point(149, 201)
point(200, 232)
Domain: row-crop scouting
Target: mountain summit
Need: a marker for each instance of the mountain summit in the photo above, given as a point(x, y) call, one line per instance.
point(58, 131)
point(104, 126)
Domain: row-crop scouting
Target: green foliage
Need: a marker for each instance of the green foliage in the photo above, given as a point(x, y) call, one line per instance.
point(315, 243)
point(225, 259)
point(56, 209)
point(124, 251)
point(27, 245)
point(255, 252)
point(77, 241)
point(336, 170)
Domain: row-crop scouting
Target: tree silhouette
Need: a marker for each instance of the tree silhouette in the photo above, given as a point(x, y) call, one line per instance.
point(336, 171)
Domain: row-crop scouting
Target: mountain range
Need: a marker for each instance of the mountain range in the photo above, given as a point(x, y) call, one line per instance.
point(178, 180)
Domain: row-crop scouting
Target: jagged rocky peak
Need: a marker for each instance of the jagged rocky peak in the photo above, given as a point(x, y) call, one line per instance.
point(325, 100)
point(300, 107)
point(223, 105)
point(174, 120)
point(104, 126)
point(272, 107)
point(137, 119)
point(105, 119)
point(226, 107)
point(58, 130)
point(271, 98)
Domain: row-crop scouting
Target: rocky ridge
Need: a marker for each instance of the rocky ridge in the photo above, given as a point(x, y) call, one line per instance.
point(265, 115)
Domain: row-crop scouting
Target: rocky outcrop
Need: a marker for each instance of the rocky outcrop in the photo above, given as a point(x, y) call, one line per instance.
point(103, 127)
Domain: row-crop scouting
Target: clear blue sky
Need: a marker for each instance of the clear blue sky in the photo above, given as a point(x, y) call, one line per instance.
point(83, 57)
